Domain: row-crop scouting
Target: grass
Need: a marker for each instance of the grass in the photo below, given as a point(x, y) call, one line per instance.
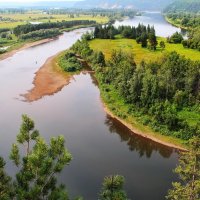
point(192, 117)
point(18, 19)
point(130, 45)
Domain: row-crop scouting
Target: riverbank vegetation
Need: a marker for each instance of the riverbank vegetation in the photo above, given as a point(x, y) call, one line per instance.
point(69, 62)
point(154, 92)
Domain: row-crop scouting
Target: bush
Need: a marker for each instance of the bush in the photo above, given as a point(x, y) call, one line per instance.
point(69, 63)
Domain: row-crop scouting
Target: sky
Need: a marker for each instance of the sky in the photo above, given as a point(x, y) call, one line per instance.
point(4, 1)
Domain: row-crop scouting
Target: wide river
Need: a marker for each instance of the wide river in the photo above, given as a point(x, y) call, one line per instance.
point(99, 144)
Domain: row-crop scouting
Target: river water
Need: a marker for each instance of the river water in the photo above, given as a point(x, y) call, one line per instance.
point(99, 144)
point(162, 27)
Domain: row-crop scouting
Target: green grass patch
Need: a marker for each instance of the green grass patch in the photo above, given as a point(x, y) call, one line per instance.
point(130, 45)
point(19, 19)
point(192, 117)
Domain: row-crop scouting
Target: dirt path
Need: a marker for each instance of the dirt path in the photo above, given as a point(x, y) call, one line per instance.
point(47, 81)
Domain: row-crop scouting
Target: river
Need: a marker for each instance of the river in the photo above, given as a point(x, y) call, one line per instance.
point(99, 144)
point(156, 19)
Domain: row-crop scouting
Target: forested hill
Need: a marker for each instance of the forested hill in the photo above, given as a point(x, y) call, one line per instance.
point(136, 4)
point(184, 5)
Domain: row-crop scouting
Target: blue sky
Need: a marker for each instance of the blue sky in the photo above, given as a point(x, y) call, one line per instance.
point(4, 1)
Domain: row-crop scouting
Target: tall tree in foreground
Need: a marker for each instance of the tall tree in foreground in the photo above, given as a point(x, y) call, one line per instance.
point(189, 172)
point(113, 188)
point(37, 168)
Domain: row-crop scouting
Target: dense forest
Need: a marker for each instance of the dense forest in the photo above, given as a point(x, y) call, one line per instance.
point(156, 90)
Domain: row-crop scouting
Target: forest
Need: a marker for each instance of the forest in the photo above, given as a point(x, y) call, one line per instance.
point(155, 90)
point(24, 29)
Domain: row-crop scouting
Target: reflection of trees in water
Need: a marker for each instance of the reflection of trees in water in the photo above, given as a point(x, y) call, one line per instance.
point(137, 143)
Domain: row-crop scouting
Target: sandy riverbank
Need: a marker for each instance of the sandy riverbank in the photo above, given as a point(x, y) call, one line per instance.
point(25, 46)
point(147, 135)
point(48, 81)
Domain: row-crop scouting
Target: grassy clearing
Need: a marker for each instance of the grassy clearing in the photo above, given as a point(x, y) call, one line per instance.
point(14, 20)
point(129, 45)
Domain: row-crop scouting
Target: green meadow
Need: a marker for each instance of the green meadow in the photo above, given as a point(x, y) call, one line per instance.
point(130, 45)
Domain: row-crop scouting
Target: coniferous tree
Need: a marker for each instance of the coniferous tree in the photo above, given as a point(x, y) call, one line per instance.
point(113, 188)
point(37, 168)
point(189, 172)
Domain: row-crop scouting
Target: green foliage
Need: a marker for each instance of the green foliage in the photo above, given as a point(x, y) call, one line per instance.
point(193, 40)
point(157, 90)
point(184, 5)
point(112, 188)
point(141, 33)
point(42, 33)
point(37, 169)
point(27, 28)
point(5, 183)
point(189, 172)
point(69, 62)
point(176, 38)
point(162, 45)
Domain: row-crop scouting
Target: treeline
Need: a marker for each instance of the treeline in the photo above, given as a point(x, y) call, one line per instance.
point(112, 14)
point(40, 34)
point(156, 91)
point(193, 40)
point(184, 19)
point(24, 29)
point(143, 34)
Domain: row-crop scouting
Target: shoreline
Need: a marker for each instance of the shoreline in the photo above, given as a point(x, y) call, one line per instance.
point(25, 46)
point(136, 131)
point(55, 80)
point(174, 24)
point(48, 80)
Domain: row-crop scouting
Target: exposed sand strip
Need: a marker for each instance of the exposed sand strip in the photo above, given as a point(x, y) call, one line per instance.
point(47, 81)
point(136, 131)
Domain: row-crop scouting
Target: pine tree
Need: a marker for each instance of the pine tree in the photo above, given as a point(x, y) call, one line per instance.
point(189, 172)
point(37, 168)
point(113, 188)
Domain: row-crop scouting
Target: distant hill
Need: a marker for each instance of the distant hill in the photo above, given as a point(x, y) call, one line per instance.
point(86, 4)
point(38, 4)
point(136, 4)
point(184, 5)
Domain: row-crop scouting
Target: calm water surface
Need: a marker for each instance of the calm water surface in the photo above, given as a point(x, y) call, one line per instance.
point(162, 27)
point(100, 145)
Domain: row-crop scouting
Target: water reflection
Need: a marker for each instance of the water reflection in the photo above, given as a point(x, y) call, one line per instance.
point(144, 147)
